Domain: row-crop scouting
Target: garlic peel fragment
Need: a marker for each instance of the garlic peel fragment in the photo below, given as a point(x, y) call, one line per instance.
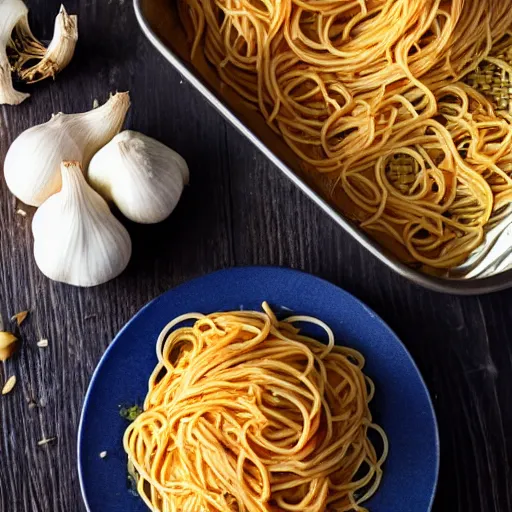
point(32, 164)
point(7, 345)
point(9, 385)
point(8, 94)
point(143, 177)
point(11, 12)
point(20, 317)
point(77, 240)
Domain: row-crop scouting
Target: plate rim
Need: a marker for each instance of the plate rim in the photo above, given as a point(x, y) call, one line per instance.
point(250, 268)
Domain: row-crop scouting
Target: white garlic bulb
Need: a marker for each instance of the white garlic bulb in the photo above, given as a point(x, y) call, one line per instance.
point(143, 177)
point(77, 239)
point(32, 164)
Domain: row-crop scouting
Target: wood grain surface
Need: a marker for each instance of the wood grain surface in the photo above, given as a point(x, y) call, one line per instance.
point(238, 210)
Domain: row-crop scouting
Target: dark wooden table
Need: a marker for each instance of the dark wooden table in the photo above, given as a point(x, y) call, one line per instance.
point(239, 210)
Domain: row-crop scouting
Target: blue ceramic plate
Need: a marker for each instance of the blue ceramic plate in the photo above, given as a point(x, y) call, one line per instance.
point(401, 405)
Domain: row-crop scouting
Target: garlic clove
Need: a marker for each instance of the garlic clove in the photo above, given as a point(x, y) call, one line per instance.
point(100, 125)
point(77, 240)
point(58, 54)
point(32, 163)
point(11, 12)
point(143, 177)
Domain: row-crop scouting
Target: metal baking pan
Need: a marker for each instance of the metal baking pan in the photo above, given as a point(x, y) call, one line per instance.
point(160, 23)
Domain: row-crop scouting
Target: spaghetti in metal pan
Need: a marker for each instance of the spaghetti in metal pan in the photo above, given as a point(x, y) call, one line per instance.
point(373, 97)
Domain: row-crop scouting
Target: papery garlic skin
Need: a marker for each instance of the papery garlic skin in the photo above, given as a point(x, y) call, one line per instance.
point(32, 163)
point(11, 12)
point(143, 177)
point(8, 344)
point(77, 239)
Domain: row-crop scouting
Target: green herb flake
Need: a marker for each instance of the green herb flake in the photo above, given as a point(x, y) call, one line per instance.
point(130, 413)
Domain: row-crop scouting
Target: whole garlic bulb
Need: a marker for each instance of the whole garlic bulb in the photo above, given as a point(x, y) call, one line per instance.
point(143, 177)
point(32, 163)
point(77, 239)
